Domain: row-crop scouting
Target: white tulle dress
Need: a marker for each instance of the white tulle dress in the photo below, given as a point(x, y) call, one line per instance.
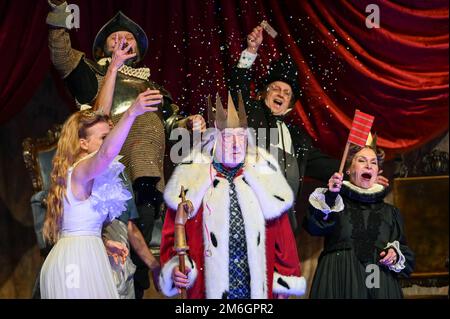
point(78, 266)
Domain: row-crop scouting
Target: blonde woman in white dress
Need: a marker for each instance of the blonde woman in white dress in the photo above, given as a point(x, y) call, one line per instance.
point(86, 191)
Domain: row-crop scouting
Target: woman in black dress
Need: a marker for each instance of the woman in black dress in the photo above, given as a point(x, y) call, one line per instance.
point(365, 250)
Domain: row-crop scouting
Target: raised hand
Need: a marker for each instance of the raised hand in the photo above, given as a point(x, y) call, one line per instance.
point(254, 39)
point(144, 101)
point(120, 53)
point(335, 182)
point(196, 123)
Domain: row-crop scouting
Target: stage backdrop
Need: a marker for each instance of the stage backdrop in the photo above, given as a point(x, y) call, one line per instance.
point(397, 72)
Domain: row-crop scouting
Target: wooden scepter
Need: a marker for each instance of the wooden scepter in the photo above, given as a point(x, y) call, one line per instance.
point(180, 245)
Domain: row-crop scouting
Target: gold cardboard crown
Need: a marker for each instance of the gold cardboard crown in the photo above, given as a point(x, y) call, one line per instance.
point(230, 118)
point(372, 141)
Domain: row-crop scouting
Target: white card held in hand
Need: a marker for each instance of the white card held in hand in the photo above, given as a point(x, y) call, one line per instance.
point(197, 125)
point(271, 31)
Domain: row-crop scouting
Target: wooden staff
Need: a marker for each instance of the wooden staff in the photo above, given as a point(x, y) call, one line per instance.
point(344, 157)
point(180, 235)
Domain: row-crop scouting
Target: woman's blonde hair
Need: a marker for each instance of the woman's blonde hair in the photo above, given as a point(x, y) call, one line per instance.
point(67, 152)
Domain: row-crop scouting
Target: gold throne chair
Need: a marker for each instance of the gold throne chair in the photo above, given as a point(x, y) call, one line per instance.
point(38, 155)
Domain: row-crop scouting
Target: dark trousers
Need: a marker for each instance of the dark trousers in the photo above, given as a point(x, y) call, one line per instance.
point(148, 202)
point(36, 292)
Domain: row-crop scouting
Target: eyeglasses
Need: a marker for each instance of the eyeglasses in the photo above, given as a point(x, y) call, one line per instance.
point(230, 134)
point(229, 138)
point(277, 89)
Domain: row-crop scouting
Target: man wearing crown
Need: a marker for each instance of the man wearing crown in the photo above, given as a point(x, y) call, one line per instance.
point(143, 151)
point(240, 242)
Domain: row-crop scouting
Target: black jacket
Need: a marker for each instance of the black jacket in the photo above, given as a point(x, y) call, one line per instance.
point(309, 160)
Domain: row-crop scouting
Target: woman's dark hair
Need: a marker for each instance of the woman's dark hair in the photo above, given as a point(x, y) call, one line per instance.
point(354, 149)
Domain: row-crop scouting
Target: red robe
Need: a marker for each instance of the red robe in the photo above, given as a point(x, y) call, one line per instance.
point(263, 200)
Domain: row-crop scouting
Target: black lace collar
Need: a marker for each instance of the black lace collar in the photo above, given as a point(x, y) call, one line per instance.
point(372, 195)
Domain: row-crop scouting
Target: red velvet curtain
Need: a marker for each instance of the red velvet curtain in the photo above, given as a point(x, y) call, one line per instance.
point(398, 72)
point(24, 57)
